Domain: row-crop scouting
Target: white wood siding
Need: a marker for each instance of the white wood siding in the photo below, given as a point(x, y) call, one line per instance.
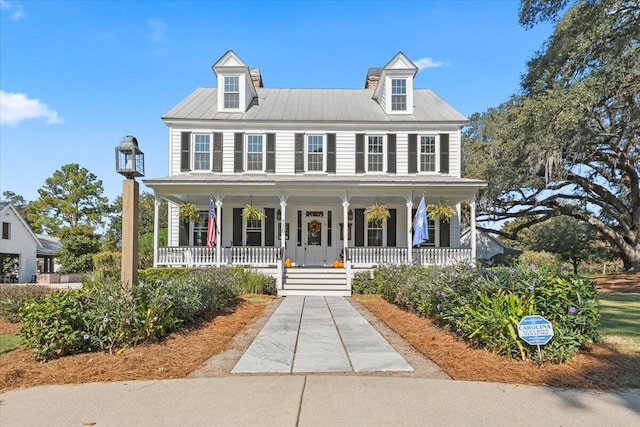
point(455, 151)
point(174, 152)
point(402, 153)
point(345, 153)
point(285, 153)
point(227, 152)
point(174, 225)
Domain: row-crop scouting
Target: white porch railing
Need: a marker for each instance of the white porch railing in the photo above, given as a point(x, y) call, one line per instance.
point(201, 256)
point(268, 256)
point(441, 256)
point(371, 256)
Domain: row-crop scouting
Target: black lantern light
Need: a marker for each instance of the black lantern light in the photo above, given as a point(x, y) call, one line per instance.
point(129, 158)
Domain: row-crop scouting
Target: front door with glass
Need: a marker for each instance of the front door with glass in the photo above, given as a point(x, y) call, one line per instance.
point(315, 235)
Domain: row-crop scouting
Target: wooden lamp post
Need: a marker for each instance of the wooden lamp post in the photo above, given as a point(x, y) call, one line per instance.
point(130, 164)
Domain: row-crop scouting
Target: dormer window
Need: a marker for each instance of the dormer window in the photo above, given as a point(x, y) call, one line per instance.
point(231, 92)
point(398, 94)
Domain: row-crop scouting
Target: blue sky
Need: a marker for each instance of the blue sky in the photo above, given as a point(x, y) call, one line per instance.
point(76, 76)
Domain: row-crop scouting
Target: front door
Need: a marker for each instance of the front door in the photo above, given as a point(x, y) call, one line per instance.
point(315, 232)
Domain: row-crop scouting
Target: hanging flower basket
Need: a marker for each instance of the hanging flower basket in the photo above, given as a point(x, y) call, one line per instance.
point(250, 212)
point(377, 213)
point(440, 211)
point(188, 212)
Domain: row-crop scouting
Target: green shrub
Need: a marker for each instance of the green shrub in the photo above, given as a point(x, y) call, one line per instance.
point(14, 297)
point(107, 264)
point(163, 274)
point(253, 282)
point(363, 282)
point(104, 315)
point(542, 259)
point(485, 305)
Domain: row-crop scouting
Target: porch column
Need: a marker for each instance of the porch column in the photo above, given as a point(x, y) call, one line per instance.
point(156, 227)
point(283, 222)
point(345, 227)
point(409, 225)
point(472, 214)
point(218, 234)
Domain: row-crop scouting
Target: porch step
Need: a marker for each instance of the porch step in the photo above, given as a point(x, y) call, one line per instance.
point(315, 281)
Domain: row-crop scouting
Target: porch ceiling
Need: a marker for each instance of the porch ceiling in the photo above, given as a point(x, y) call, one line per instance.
point(313, 190)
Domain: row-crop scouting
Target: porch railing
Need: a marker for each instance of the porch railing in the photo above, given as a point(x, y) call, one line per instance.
point(423, 256)
point(200, 255)
point(268, 256)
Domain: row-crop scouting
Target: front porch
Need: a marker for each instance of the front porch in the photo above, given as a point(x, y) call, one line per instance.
point(318, 280)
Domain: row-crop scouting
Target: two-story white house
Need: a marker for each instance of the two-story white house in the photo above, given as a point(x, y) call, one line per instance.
point(312, 160)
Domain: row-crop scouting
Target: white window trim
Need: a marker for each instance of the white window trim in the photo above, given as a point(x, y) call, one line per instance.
point(324, 153)
point(241, 93)
point(384, 235)
point(246, 152)
point(437, 153)
point(193, 152)
point(384, 154)
point(405, 94)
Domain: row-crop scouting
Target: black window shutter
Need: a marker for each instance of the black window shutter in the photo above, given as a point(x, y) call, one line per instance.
point(183, 233)
point(413, 153)
point(217, 152)
point(237, 227)
point(391, 228)
point(269, 226)
point(358, 223)
point(238, 152)
point(271, 152)
point(299, 155)
point(185, 151)
point(329, 227)
point(391, 153)
point(445, 240)
point(331, 153)
point(360, 153)
point(444, 153)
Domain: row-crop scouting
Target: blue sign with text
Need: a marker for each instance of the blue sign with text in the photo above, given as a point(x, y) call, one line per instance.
point(535, 330)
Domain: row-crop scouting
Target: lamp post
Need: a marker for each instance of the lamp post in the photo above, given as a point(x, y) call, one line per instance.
point(130, 164)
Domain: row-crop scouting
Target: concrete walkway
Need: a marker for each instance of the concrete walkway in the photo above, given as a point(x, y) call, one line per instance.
point(319, 334)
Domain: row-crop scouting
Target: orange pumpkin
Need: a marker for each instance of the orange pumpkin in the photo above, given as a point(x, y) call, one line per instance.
point(287, 263)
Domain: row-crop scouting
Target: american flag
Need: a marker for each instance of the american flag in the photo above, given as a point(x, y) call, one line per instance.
point(211, 227)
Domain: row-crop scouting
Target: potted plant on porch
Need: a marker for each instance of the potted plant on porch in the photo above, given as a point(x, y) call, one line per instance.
point(188, 212)
point(251, 212)
point(440, 211)
point(377, 213)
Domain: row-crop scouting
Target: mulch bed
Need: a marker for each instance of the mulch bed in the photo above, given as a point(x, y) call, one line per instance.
point(181, 353)
point(598, 367)
point(619, 283)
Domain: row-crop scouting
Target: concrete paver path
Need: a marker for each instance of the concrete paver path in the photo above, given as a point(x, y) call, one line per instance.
point(319, 334)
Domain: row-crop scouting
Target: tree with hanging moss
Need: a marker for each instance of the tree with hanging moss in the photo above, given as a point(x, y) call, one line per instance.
point(569, 143)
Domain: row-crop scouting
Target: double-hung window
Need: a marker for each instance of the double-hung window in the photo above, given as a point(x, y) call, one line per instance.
point(375, 232)
point(201, 152)
point(427, 153)
point(398, 95)
point(231, 92)
point(315, 153)
point(255, 153)
point(254, 232)
point(375, 153)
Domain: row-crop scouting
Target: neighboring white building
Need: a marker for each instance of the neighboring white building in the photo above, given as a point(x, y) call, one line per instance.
point(312, 160)
point(19, 244)
point(487, 246)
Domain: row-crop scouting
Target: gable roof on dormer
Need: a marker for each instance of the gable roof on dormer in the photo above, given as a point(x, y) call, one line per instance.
point(399, 63)
point(230, 62)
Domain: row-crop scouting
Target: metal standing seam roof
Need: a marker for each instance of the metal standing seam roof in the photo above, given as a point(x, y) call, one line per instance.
point(341, 105)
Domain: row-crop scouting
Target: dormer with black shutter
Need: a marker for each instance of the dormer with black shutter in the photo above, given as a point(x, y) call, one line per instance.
point(236, 89)
point(394, 85)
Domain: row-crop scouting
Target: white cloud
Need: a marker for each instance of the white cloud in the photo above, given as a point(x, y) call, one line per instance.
point(17, 107)
point(158, 31)
point(15, 9)
point(423, 63)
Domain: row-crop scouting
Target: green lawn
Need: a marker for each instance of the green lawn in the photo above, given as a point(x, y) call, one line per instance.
point(8, 342)
point(620, 316)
